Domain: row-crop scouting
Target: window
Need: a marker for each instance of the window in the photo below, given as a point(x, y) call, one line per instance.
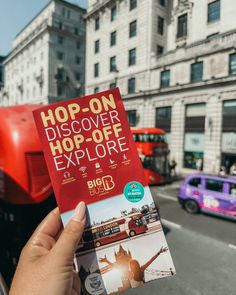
point(196, 182)
point(232, 64)
point(77, 60)
point(96, 70)
point(132, 117)
point(60, 40)
point(60, 26)
point(113, 64)
point(160, 25)
point(78, 45)
point(195, 122)
point(162, 2)
point(160, 50)
point(63, 11)
point(96, 46)
point(163, 118)
point(60, 74)
point(68, 13)
point(112, 85)
point(131, 85)
point(60, 90)
point(165, 79)
point(232, 189)
point(132, 4)
point(182, 26)
point(133, 29)
point(77, 76)
point(113, 38)
point(214, 185)
point(76, 31)
point(97, 23)
point(113, 13)
point(60, 55)
point(132, 57)
point(213, 11)
point(229, 121)
point(96, 89)
point(196, 72)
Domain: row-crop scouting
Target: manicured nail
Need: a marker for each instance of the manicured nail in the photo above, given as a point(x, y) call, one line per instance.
point(79, 214)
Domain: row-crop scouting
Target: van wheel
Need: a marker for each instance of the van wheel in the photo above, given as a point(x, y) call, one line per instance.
point(97, 244)
point(132, 233)
point(191, 206)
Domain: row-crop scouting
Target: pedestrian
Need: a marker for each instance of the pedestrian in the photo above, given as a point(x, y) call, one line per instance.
point(46, 262)
point(172, 165)
point(222, 171)
point(233, 169)
point(199, 164)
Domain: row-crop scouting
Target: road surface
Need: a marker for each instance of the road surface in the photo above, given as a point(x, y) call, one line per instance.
point(203, 248)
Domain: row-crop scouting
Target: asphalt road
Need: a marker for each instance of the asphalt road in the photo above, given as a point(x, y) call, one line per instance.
point(203, 248)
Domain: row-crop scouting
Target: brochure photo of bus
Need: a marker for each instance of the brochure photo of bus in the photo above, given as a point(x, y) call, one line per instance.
point(112, 254)
point(115, 219)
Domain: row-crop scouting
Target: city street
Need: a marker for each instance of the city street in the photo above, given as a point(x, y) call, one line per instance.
point(203, 248)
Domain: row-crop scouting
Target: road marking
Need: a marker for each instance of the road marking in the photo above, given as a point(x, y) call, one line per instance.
point(170, 223)
point(232, 246)
point(88, 139)
point(168, 197)
point(84, 110)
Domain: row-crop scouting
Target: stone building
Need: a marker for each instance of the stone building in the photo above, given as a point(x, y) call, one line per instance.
point(47, 60)
point(175, 64)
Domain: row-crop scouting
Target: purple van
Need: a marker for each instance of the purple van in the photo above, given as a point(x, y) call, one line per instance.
point(211, 194)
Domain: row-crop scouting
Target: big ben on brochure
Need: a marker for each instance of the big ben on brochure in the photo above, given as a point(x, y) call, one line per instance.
point(91, 157)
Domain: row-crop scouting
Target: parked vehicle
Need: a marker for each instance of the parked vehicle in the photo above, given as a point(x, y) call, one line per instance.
point(209, 193)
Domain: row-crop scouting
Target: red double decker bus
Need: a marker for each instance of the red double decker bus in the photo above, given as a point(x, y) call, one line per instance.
point(112, 231)
point(153, 152)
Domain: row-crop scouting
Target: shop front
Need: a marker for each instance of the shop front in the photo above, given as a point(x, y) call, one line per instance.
point(228, 157)
point(194, 150)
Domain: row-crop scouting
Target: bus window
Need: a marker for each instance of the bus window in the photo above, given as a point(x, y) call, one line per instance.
point(138, 222)
point(156, 138)
point(115, 229)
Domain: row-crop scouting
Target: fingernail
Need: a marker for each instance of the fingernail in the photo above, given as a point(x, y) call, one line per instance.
point(79, 214)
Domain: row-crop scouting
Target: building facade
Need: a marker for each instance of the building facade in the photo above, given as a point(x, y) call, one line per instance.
point(2, 58)
point(182, 78)
point(47, 61)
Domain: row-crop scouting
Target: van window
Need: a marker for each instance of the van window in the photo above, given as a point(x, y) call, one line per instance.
point(214, 185)
point(232, 190)
point(196, 182)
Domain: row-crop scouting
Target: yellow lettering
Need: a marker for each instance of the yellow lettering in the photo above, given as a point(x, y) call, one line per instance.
point(61, 114)
point(108, 102)
point(117, 129)
point(78, 139)
point(47, 118)
point(95, 105)
point(56, 147)
point(73, 108)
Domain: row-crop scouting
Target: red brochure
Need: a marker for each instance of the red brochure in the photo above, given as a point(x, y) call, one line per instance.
point(91, 157)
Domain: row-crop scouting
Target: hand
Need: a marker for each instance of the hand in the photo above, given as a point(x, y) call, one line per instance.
point(162, 250)
point(103, 259)
point(46, 262)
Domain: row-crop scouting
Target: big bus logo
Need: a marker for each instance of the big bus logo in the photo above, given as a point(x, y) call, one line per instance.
point(100, 185)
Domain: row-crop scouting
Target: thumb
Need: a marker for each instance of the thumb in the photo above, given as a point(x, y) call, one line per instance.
point(66, 245)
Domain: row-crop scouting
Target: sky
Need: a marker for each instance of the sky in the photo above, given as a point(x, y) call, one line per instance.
point(15, 14)
point(112, 207)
